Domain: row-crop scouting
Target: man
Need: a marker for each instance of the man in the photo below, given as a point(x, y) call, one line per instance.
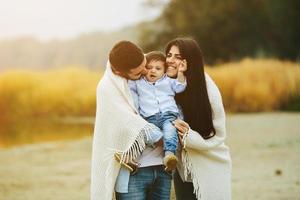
point(119, 129)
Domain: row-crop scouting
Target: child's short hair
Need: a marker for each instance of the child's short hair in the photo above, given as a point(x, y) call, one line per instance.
point(155, 56)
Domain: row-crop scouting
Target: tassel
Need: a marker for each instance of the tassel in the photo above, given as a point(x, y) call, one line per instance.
point(188, 169)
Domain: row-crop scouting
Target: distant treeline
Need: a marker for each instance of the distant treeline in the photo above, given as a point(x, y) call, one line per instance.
point(230, 29)
point(88, 50)
point(227, 30)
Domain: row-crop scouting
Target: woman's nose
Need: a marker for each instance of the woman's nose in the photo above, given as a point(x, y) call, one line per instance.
point(171, 60)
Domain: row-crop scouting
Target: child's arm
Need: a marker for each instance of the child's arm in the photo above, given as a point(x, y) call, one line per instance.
point(177, 85)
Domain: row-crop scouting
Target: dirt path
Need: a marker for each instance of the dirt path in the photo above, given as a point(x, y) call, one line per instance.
point(265, 151)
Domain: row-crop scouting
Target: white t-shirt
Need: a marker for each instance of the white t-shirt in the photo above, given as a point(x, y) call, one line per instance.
point(151, 157)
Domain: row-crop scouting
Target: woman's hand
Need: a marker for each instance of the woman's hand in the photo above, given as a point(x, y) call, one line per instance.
point(182, 128)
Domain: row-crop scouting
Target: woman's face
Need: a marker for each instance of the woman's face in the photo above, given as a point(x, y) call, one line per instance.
point(173, 59)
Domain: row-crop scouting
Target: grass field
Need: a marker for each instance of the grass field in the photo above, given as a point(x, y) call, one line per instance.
point(265, 150)
point(249, 85)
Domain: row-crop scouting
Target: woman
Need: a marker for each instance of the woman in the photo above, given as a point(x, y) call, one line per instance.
point(205, 168)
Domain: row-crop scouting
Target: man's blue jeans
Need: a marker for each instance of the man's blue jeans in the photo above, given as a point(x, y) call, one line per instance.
point(164, 122)
point(149, 183)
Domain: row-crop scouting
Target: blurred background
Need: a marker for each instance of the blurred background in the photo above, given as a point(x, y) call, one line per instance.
point(53, 54)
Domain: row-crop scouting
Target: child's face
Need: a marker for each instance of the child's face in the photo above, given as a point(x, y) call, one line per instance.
point(155, 70)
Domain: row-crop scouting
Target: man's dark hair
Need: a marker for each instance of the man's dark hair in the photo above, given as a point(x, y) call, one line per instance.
point(125, 56)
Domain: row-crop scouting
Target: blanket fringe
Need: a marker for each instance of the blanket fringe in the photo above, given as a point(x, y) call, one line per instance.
point(188, 169)
point(138, 146)
point(133, 152)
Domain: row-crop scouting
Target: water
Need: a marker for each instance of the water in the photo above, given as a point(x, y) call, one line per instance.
point(37, 131)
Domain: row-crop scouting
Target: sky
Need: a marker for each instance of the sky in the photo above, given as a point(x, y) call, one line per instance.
point(48, 19)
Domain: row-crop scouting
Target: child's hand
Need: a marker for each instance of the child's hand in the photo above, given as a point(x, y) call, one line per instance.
point(182, 66)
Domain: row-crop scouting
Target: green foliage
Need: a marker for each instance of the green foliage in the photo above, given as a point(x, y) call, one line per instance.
point(229, 29)
point(293, 105)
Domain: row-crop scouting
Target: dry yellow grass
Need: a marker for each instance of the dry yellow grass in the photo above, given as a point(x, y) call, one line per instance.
point(257, 85)
point(246, 86)
point(60, 92)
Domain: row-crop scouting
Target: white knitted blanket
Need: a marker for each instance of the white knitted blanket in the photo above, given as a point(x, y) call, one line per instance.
point(118, 128)
point(208, 161)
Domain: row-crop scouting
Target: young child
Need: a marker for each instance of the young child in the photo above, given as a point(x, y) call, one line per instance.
point(154, 95)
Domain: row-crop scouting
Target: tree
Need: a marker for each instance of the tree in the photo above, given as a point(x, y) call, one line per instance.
point(228, 29)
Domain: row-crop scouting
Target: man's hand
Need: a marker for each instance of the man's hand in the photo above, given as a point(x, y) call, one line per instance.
point(159, 143)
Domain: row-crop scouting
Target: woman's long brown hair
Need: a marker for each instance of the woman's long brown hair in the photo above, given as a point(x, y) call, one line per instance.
point(194, 100)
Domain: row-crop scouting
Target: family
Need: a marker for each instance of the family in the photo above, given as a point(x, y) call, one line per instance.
point(159, 118)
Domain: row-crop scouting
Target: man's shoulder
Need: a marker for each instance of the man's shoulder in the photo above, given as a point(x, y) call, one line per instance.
point(103, 84)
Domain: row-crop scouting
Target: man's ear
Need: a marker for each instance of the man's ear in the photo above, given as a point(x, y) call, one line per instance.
point(117, 72)
point(122, 74)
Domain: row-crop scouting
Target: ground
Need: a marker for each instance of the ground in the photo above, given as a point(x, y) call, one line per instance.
point(265, 151)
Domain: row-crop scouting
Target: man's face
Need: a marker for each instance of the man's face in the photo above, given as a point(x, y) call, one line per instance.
point(156, 70)
point(136, 73)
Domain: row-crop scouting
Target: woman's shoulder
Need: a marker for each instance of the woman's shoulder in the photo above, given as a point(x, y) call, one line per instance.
point(212, 89)
point(210, 84)
point(215, 98)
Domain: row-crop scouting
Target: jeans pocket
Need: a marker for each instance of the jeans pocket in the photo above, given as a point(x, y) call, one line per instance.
point(169, 173)
point(134, 172)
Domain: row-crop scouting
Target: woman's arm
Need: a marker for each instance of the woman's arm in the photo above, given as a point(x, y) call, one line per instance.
point(192, 139)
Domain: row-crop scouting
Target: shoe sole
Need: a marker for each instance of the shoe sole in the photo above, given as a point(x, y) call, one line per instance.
point(171, 165)
point(118, 158)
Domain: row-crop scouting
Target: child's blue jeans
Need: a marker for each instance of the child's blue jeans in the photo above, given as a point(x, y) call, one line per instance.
point(164, 122)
